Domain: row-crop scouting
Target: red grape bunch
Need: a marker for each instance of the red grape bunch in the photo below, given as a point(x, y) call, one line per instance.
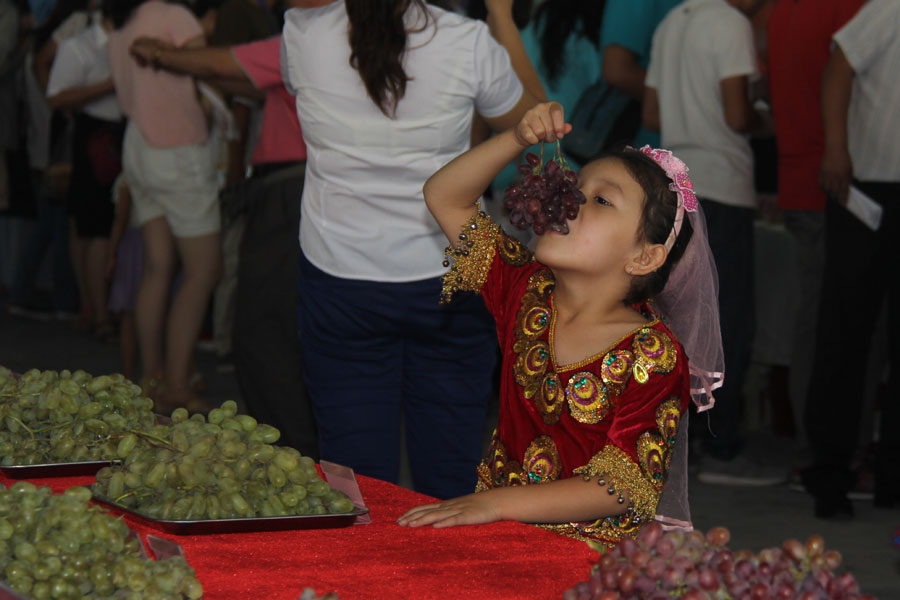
point(545, 197)
point(692, 566)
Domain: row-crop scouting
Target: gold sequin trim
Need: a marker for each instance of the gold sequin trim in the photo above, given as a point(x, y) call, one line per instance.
point(541, 462)
point(615, 369)
point(624, 474)
point(472, 256)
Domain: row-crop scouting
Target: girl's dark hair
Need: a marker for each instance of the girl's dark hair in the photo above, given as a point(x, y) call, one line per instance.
point(657, 219)
point(562, 18)
point(476, 9)
point(377, 44)
point(120, 11)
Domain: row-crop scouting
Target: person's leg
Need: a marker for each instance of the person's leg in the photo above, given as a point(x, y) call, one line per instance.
point(352, 365)
point(852, 291)
point(128, 344)
point(32, 254)
point(152, 300)
point(77, 249)
point(224, 299)
point(97, 285)
point(448, 363)
point(65, 286)
point(266, 347)
point(201, 261)
point(731, 241)
point(808, 231)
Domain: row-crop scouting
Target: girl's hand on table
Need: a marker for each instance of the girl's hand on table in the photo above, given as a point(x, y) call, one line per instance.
point(474, 509)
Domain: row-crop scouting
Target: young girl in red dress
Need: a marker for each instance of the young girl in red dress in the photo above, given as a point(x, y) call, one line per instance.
point(595, 385)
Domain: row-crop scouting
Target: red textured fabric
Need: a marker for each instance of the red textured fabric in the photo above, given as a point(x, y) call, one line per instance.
point(381, 560)
point(632, 412)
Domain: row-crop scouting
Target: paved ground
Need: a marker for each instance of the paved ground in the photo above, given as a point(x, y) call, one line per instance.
point(757, 517)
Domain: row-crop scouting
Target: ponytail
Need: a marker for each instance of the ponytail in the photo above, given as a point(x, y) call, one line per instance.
point(377, 44)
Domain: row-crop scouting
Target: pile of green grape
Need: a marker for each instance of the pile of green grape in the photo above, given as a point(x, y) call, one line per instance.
point(55, 417)
point(60, 546)
point(221, 467)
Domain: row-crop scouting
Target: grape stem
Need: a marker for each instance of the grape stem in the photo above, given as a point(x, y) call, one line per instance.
point(155, 438)
point(23, 425)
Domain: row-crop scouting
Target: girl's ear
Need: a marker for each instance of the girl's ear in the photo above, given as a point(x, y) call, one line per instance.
point(650, 258)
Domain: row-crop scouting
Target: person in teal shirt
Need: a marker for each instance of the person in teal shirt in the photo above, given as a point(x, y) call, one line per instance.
point(563, 43)
point(626, 38)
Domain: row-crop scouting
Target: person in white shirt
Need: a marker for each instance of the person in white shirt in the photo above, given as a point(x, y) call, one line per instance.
point(696, 94)
point(380, 112)
point(80, 82)
point(860, 95)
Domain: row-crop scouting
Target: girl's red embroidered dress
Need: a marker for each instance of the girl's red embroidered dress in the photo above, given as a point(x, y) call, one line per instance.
point(613, 414)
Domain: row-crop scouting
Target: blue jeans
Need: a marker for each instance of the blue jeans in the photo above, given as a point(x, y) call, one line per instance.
point(375, 353)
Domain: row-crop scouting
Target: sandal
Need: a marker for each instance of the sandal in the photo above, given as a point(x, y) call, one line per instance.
point(170, 400)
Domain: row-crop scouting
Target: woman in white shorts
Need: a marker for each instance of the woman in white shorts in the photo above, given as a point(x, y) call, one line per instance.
point(168, 162)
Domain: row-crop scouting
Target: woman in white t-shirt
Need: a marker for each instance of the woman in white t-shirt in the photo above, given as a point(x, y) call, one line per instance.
point(80, 81)
point(381, 109)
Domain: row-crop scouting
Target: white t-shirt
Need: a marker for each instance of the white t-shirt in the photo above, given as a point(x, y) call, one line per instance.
point(697, 45)
point(871, 42)
point(363, 213)
point(82, 60)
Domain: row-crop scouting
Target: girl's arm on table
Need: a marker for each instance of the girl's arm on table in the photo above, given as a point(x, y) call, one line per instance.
point(561, 501)
point(450, 194)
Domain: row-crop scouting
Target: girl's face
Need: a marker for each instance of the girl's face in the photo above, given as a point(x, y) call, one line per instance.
point(602, 239)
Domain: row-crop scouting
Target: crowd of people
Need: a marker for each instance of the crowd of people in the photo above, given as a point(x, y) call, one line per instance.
point(257, 168)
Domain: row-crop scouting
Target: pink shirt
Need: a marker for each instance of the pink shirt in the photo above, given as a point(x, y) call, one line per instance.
point(163, 105)
point(280, 138)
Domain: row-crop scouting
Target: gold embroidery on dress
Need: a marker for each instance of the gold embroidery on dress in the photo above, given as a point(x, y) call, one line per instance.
point(652, 453)
point(532, 321)
point(472, 256)
point(589, 400)
point(615, 369)
point(668, 414)
point(654, 352)
point(513, 252)
point(541, 462)
point(551, 397)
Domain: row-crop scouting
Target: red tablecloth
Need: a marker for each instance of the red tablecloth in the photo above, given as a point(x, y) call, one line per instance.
point(381, 560)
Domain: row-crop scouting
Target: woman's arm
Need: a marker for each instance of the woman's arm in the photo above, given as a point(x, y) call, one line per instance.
point(78, 97)
point(204, 62)
point(450, 194)
point(503, 28)
point(561, 501)
point(836, 170)
point(43, 62)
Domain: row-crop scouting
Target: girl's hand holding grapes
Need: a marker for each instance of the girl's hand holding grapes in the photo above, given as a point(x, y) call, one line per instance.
point(543, 123)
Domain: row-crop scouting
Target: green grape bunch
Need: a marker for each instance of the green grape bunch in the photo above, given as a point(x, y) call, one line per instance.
point(60, 546)
point(224, 466)
point(58, 417)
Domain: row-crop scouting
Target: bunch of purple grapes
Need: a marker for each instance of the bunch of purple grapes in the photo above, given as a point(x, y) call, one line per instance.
point(545, 197)
point(693, 566)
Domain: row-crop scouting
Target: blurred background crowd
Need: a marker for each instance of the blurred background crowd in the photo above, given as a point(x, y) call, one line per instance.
point(153, 169)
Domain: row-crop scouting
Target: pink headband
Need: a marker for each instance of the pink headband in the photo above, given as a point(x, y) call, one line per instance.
point(681, 184)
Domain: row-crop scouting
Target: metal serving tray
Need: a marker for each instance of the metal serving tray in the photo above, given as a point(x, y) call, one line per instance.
point(65, 469)
point(240, 525)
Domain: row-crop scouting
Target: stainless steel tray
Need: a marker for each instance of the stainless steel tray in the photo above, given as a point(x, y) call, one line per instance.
point(241, 525)
point(65, 469)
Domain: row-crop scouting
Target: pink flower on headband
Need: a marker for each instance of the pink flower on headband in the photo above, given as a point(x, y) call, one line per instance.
point(677, 172)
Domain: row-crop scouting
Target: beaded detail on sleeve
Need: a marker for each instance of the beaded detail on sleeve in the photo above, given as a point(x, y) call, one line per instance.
point(621, 473)
point(472, 256)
